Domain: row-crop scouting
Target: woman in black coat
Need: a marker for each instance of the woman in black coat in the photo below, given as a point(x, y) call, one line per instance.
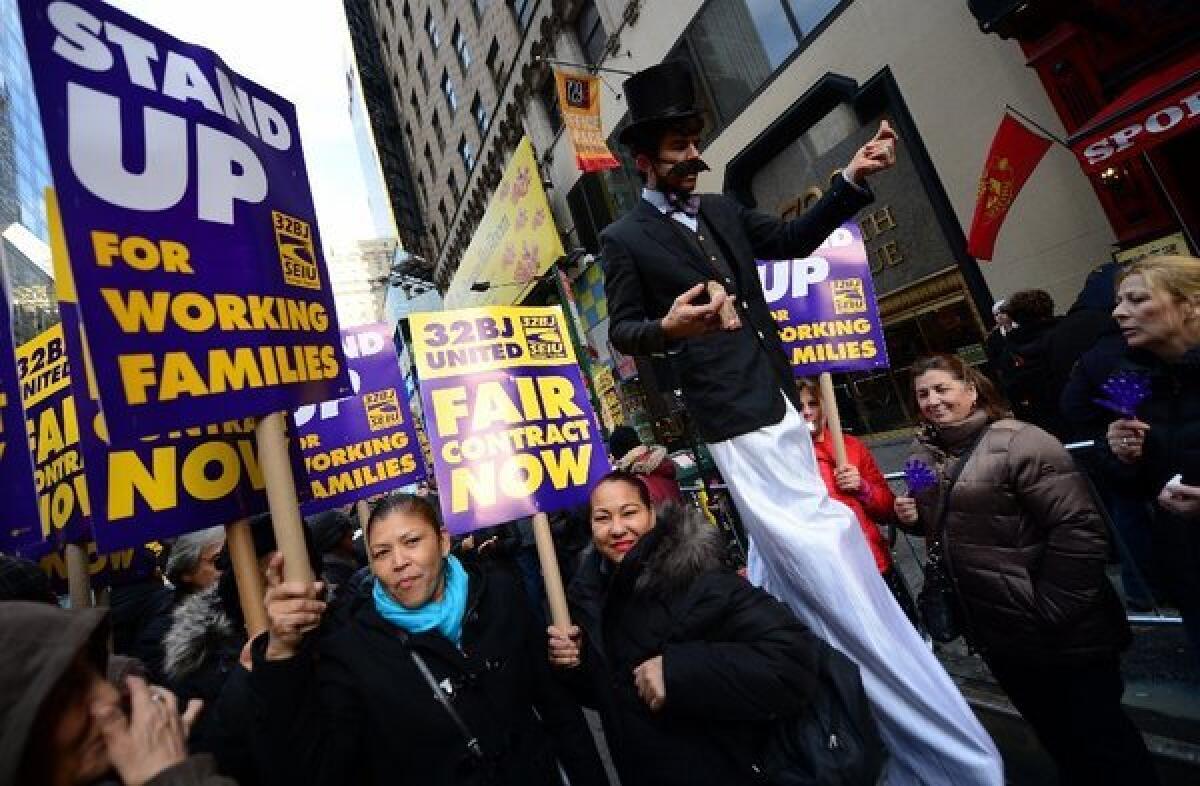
point(687, 663)
point(355, 706)
point(1156, 455)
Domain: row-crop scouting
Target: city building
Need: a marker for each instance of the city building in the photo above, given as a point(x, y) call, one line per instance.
point(360, 277)
point(791, 88)
point(24, 174)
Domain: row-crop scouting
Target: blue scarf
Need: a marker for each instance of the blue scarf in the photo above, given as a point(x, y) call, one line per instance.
point(445, 615)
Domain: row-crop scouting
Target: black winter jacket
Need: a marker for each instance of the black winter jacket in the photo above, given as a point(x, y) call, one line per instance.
point(734, 658)
point(353, 708)
point(1172, 411)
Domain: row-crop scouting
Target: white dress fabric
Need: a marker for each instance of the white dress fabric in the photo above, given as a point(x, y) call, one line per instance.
point(808, 551)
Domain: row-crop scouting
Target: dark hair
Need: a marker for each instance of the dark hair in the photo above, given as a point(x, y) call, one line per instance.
point(408, 504)
point(622, 440)
point(622, 476)
point(648, 140)
point(1030, 306)
point(989, 398)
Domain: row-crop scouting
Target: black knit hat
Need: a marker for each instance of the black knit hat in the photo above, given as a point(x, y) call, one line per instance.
point(623, 440)
point(328, 529)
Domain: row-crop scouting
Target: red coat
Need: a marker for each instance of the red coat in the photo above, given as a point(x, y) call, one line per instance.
point(873, 505)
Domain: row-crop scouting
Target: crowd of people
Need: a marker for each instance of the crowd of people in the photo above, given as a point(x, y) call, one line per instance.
point(417, 658)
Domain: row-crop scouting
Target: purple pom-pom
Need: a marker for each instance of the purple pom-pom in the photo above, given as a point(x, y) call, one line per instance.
point(919, 477)
point(1124, 392)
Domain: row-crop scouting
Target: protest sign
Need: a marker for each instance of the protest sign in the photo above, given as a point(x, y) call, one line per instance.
point(508, 416)
point(515, 243)
point(190, 225)
point(113, 569)
point(824, 306)
point(44, 377)
point(158, 486)
point(363, 445)
point(20, 522)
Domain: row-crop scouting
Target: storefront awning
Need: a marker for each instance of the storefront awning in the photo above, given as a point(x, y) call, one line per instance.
point(1151, 111)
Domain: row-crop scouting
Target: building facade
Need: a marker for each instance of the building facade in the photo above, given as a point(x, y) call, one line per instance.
point(24, 174)
point(359, 276)
point(791, 89)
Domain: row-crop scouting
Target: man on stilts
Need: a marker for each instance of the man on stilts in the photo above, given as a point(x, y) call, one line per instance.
point(806, 548)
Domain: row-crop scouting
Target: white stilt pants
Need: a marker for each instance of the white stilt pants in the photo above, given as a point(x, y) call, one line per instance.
point(808, 551)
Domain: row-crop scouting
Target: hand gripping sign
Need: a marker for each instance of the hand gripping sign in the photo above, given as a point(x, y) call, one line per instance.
point(189, 222)
point(365, 444)
point(509, 419)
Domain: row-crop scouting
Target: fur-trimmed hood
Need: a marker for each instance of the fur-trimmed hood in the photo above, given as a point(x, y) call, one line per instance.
point(200, 627)
point(682, 547)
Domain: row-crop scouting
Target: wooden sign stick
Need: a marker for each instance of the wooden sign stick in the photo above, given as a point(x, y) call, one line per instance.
point(833, 419)
point(555, 595)
point(281, 497)
point(240, 543)
point(79, 586)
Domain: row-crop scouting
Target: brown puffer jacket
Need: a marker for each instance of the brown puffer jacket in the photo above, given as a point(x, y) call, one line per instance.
point(1025, 544)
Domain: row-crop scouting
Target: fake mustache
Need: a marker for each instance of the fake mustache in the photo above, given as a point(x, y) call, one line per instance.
point(691, 166)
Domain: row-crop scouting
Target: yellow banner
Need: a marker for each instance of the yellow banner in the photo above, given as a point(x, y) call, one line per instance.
point(453, 343)
point(579, 100)
point(515, 243)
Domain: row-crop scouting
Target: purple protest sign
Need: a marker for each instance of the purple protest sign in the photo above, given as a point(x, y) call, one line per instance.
point(20, 525)
point(155, 487)
point(509, 419)
point(189, 222)
point(112, 569)
point(825, 307)
point(44, 376)
point(362, 445)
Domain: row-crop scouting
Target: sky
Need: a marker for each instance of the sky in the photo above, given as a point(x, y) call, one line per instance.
point(298, 49)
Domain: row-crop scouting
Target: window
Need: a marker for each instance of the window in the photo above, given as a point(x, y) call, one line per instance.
point(414, 105)
point(449, 92)
point(409, 142)
point(548, 95)
point(424, 191)
point(408, 23)
point(739, 44)
point(808, 14)
point(590, 31)
point(467, 154)
point(493, 63)
point(460, 46)
point(452, 182)
point(435, 39)
point(424, 73)
point(477, 7)
point(522, 11)
point(445, 216)
point(437, 130)
point(429, 160)
point(400, 49)
point(391, 9)
point(480, 113)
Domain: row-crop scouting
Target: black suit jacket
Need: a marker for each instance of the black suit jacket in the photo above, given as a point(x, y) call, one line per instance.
point(731, 381)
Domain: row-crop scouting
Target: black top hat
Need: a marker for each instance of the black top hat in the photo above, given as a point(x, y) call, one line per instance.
point(657, 95)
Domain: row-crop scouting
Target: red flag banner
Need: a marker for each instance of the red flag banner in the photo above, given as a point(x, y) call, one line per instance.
point(1014, 154)
point(579, 99)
